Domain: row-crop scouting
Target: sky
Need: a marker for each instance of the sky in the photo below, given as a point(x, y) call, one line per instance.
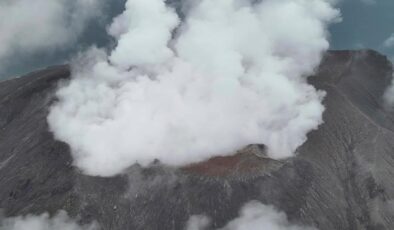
point(366, 24)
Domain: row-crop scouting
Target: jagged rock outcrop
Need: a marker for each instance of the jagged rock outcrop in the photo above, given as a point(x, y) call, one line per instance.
point(340, 179)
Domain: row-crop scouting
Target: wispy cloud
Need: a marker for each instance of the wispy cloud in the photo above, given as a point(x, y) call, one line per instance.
point(253, 216)
point(389, 42)
point(61, 221)
point(45, 25)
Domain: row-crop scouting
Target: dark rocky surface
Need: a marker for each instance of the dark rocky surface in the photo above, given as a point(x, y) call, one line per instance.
point(342, 177)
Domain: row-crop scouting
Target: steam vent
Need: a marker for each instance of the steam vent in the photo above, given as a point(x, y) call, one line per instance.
point(340, 179)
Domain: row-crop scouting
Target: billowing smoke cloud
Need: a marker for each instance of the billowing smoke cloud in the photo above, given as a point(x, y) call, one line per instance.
point(43, 222)
point(230, 74)
point(253, 216)
point(44, 25)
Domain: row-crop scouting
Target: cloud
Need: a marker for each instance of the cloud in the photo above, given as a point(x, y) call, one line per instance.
point(253, 216)
point(61, 221)
point(389, 42)
point(46, 25)
point(225, 78)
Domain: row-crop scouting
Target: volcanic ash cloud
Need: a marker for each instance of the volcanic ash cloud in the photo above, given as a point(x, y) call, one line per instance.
point(231, 73)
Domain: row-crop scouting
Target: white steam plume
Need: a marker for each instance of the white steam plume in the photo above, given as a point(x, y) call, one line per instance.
point(44, 25)
point(233, 74)
point(253, 216)
point(43, 222)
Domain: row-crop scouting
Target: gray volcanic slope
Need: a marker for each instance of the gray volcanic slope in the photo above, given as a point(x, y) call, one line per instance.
point(342, 177)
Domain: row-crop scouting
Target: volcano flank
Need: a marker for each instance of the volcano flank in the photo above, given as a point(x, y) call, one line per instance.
point(340, 178)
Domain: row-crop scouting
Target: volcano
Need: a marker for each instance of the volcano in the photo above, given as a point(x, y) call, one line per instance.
point(341, 177)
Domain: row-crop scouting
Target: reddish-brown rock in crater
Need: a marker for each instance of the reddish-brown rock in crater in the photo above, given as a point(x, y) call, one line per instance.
point(249, 160)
